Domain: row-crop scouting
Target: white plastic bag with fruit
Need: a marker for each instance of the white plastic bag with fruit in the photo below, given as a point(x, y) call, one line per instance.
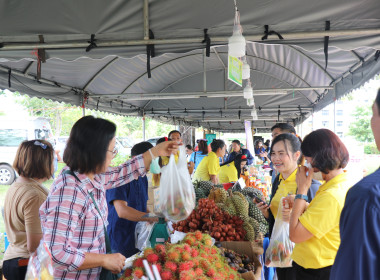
point(177, 196)
point(40, 266)
point(280, 247)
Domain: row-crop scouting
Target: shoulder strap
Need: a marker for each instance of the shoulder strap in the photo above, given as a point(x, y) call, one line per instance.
point(70, 172)
point(108, 244)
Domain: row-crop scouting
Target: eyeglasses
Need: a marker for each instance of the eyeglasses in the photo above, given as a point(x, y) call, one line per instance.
point(42, 145)
point(114, 152)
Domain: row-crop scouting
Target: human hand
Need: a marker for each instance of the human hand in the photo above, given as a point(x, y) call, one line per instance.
point(166, 148)
point(287, 205)
point(114, 262)
point(303, 180)
point(263, 207)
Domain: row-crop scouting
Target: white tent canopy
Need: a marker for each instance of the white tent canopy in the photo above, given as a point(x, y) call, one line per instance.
point(289, 75)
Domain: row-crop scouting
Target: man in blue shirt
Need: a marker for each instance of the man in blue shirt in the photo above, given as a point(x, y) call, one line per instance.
point(358, 256)
point(126, 206)
point(238, 150)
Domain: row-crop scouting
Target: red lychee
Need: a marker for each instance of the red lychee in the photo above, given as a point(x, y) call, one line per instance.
point(171, 266)
point(138, 263)
point(166, 275)
point(152, 258)
point(138, 272)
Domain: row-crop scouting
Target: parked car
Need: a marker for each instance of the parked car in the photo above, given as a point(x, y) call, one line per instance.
point(12, 133)
point(153, 140)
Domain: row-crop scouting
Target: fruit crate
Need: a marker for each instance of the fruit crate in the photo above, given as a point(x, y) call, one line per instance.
point(249, 249)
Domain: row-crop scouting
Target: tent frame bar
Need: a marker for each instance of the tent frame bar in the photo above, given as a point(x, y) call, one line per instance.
point(217, 39)
point(209, 94)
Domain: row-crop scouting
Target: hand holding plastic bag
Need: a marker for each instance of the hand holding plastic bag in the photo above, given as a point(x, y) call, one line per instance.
point(40, 266)
point(280, 247)
point(177, 196)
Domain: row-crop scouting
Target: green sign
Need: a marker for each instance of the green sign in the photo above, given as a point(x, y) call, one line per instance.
point(235, 70)
point(210, 137)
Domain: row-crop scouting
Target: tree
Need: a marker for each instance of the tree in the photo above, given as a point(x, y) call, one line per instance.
point(360, 129)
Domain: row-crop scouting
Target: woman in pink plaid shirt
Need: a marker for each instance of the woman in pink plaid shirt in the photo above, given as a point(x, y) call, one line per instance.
point(73, 226)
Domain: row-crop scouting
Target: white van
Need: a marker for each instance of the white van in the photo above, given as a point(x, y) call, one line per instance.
point(12, 133)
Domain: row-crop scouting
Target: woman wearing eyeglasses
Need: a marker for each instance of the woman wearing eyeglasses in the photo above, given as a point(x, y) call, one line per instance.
point(34, 162)
point(74, 216)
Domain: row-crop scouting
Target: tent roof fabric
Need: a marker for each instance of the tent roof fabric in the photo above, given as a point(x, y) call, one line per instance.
point(114, 75)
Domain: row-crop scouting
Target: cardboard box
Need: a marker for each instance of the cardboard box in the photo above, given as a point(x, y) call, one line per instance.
point(247, 248)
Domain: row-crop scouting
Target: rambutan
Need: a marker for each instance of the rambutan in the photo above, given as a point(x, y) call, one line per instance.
point(187, 248)
point(166, 275)
point(198, 235)
point(128, 272)
point(185, 266)
point(185, 256)
point(187, 275)
point(148, 251)
point(198, 271)
point(138, 263)
point(138, 272)
point(214, 251)
point(190, 240)
point(173, 256)
point(210, 272)
point(171, 266)
point(160, 248)
point(152, 258)
point(194, 253)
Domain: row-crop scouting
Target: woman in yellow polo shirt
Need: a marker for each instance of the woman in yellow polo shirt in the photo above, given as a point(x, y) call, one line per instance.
point(285, 154)
point(209, 167)
point(230, 171)
point(314, 227)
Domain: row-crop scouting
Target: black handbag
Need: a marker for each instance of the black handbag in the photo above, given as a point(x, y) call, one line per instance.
point(105, 274)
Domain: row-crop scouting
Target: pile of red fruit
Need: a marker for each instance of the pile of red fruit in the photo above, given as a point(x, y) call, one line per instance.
point(208, 218)
point(193, 258)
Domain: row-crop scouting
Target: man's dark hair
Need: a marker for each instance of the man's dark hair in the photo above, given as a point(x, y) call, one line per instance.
point(174, 131)
point(216, 144)
point(326, 149)
point(236, 141)
point(377, 100)
point(162, 139)
point(140, 148)
point(189, 147)
point(87, 146)
point(284, 127)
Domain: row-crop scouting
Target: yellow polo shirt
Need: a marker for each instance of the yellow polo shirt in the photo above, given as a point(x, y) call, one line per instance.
point(228, 173)
point(208, 166)
point(156, 178)
point(321, 218)
point(284, 188)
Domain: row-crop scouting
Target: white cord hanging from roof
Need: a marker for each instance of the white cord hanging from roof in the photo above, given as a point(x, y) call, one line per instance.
point(251, 102)
point(248, 91)
point(254, 114)
point(246, 70)
point(236, 43)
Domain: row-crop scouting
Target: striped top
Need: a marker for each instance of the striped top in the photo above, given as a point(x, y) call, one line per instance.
point(71, 224)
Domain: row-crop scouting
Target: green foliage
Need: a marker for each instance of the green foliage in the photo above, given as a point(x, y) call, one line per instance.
point(63, 116)
point(371, 149)
point(360, 129)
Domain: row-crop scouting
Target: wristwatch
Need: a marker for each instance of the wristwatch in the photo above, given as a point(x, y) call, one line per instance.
point(302, 196)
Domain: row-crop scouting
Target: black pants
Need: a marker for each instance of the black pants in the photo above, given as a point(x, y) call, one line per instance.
point(286, 273)
point(12, 271)
point(312, 274)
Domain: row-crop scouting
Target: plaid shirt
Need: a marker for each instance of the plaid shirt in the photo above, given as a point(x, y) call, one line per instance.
point(70, 222)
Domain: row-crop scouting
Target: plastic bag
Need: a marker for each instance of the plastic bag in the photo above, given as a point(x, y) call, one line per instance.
point(280, 247)
point(143, 232)
point(40, 266)
point(177, 196)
